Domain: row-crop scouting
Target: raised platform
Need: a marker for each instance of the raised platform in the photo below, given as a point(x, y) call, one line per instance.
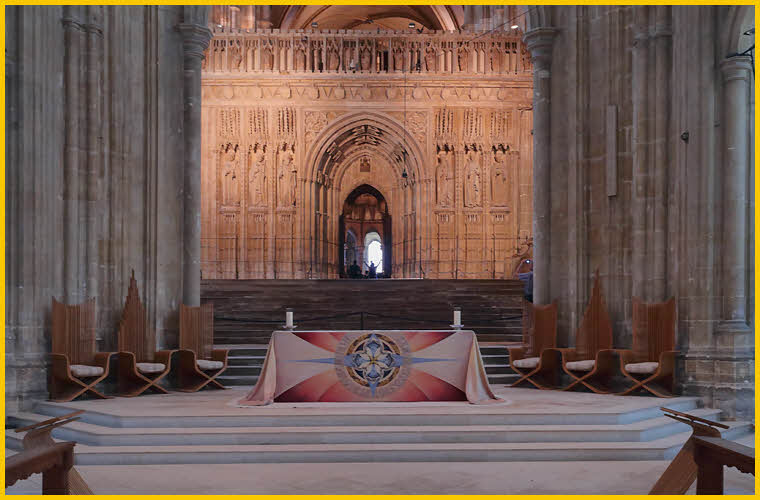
point(533, 425)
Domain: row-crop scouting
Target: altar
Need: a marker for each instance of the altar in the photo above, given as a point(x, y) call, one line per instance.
point(370, 366)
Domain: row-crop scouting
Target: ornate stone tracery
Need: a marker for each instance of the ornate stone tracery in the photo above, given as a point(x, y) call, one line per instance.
point(442, 145)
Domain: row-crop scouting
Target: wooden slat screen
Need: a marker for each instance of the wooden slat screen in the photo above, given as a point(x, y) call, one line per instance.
point(653, 328)
point(595, 331)
point(73, 331)
point(134, 334)
point(196, 329)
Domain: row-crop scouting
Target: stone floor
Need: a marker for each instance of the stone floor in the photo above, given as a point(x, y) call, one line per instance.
point(408, 478)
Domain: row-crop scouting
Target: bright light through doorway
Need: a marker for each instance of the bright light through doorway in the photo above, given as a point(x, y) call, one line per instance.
point(375, 254)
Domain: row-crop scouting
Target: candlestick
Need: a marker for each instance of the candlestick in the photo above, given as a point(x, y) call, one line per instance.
point(288, 318)
point(457, 318)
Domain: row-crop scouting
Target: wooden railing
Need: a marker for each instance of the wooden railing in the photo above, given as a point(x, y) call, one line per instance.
point(54, 462)
point(711, 454)
point(239, 51)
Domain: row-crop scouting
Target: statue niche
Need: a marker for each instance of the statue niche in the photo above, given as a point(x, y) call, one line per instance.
point(445, 177)
point(462, 59)
point(236, 55)
point(299, 59)
point(499, 178)
point(229, 160)
point(267, 59)
point(257, 176)
point(472, 179)
point(287, 176)
point(333, 59)
point(365, 59)
point(430, 59)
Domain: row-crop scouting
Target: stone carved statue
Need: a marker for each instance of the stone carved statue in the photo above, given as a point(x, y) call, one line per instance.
point(444, 179)
point(472, 180)
point(495, 60)
point(430, 60)
point(499, 179)
point(333, 60)
point(267, 59)
point(286, 178)
point(257, 177)
point(365, 59)
point(299, 60)
point(229, 175)
point(462, 60)
point(398, 60)
point(236, 57)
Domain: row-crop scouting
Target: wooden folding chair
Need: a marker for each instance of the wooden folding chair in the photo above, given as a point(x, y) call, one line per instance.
point(140, 366)
point(651, 362)
point(536, 361)
point(591, 363)
point(199, 362)
point(76, 368)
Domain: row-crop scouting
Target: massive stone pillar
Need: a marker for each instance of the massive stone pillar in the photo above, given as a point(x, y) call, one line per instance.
point(195, 38)
point(737, 75)
point(640, 198)
point(539, 42)
point(74, 36)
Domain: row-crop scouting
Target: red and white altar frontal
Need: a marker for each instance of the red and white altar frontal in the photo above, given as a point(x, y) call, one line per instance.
point(372, 365)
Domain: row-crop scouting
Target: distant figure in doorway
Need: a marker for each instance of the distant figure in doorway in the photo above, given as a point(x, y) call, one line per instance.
point(372, 270)
point(354, 271)
point(527, 277)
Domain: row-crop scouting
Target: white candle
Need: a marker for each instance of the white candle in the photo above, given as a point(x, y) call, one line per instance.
point(457, 317)
point(289, 318)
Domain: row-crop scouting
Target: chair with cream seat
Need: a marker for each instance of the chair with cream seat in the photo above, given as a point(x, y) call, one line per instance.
point(141, 367)
point(199, 363)
point(650, 364)
point(591, 363)
point(536, 361)
point(75, 366)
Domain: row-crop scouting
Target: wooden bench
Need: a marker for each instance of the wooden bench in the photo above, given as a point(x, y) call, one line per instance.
point(141, 367)
point(199, 363)
point(76, 367)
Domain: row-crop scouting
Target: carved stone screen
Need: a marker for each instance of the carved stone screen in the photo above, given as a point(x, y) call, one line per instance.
point(439, 123)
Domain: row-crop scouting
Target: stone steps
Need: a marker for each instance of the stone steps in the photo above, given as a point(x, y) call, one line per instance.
point(206, 428)
point(659, 449)
point(96, 435)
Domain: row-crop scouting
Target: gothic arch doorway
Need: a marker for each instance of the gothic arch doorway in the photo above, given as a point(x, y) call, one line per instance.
point(364, 221)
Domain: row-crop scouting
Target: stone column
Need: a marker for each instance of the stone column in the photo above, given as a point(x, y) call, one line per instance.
point(74, 36)
point(737, 75)
point(195, 39)
point(641, 72)
point(539, 42)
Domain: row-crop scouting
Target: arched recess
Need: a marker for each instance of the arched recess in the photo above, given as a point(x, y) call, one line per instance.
point(737, 21)
point(333, 168)
point(433, 17)
point(365, 211)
